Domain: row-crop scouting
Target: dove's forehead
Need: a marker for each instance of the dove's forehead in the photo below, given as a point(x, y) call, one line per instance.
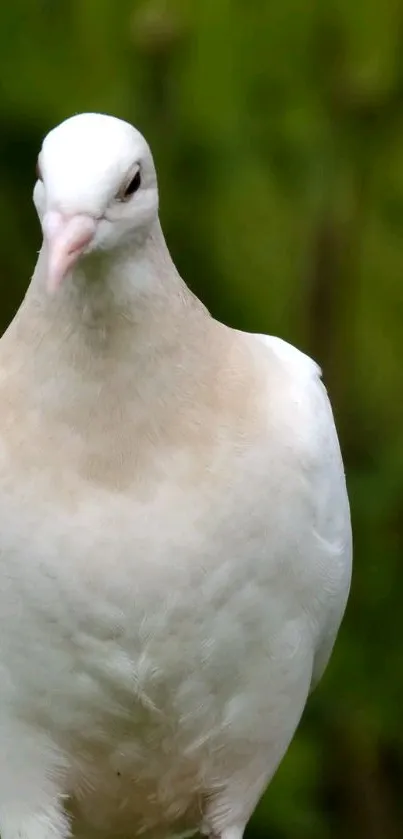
point(92, 151)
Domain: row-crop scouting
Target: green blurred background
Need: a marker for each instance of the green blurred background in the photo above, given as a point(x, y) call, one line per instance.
point(277, 129)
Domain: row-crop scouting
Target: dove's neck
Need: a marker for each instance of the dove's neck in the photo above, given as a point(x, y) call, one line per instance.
point(118, 306)
point(122, 341)
point(137, 281)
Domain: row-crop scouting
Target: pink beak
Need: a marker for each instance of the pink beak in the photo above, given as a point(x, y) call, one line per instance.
point(66, 238)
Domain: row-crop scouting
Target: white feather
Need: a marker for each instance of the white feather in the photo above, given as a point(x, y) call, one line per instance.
point(175, 544)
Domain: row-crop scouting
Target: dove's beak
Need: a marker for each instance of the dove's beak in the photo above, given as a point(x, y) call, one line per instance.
point(66, 238)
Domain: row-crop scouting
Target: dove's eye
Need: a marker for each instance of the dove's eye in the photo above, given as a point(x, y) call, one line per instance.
point(38, 171)
point(131, 187)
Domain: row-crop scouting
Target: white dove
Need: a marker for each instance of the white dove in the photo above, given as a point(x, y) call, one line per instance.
point(175, 539)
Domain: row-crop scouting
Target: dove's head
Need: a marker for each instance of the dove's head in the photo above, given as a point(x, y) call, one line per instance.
point(96, 189)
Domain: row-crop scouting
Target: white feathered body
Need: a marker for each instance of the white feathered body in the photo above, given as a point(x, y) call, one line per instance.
point(167, 598)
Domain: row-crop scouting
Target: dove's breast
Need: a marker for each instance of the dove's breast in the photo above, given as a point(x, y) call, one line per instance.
point(143, 636)
point(157, 631)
